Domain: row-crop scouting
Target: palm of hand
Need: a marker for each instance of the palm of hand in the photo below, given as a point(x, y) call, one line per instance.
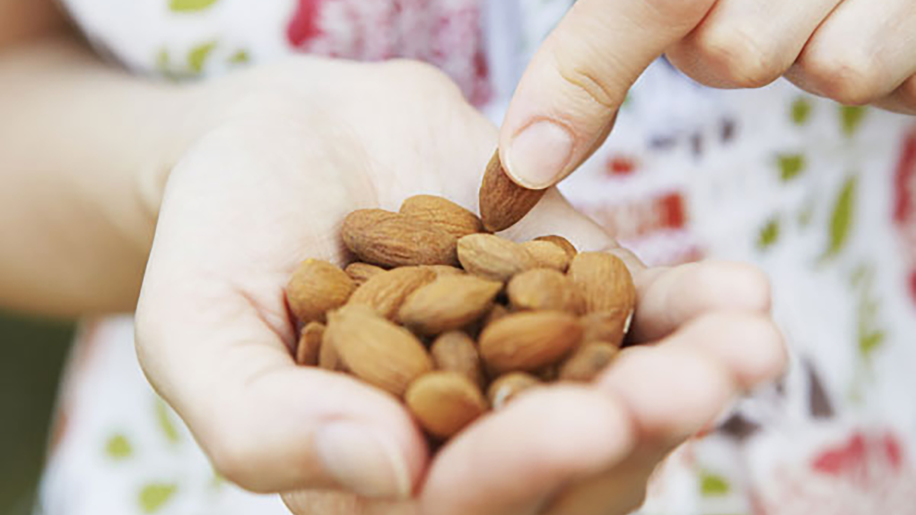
point(269, 187)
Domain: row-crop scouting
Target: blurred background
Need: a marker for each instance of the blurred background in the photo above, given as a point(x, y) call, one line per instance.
point(32, 353)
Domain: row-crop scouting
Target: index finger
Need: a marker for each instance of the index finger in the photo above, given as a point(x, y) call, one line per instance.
point(568, 97)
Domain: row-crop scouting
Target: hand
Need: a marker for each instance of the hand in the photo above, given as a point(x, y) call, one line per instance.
point(293, 149)
point(852, 51)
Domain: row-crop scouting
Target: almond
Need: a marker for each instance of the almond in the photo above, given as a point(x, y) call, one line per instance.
point(391, 239)
point(544, 288)
point(328, 358)
point(385, 292)
point(508, 386)
point(547, 254)
point(442, 214)
point(606, 326)
point(561, 242)
point(310, 344)
point(587, 361)
point(502, 201)
point(440, 270)
point(455, 351)
point(493, 257)
point(317, 287)
point(444, 402)
point(604, 282)
point(376, 350)
point(448, 303)
point(361, 272)
point(496, 312)
point(529, 340)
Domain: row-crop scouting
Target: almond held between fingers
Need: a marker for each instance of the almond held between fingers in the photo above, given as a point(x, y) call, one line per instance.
point(317, 287)
point(442, 214)
point(385, 292)
point(502, 201)
point(493, 257)
point(444, 402)
point(310, 344)
point(508, 386)
point(587, 361)
point(529, 340)
point(544, 289)
point(391, 239)
point(604, 282)
point(606, 326)
point(561, 242)
point(547, 254)
point(456, 352)
point(448, 303)
point(376, 350)
point(361, 272)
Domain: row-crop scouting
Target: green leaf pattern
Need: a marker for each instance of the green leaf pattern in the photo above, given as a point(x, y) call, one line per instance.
point(190, 6)
point(155, 495)
point(841, 219)
point(164, 418)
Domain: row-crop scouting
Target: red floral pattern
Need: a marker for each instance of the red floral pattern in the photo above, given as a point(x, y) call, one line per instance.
point(445, 34)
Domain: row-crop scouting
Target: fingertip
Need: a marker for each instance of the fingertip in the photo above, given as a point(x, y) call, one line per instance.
point(671, 392)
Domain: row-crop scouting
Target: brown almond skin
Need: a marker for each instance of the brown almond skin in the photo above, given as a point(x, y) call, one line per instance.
point(317, 287)
point(391, 239)
point(544, 288)
point(548, 255)
point(361, 272)
point(502, 201)
point(448, 303)
point(496, 312)
point(442, 214)
point(455, 351)
point(587, 361)
point(385, 292)
point(529, 340)
point(376, 350)
point(328, 358)
point(441, 270)
point(508, 386)
point(604, 282)
point(493, 257)
point(444, 402)
point(561, 242)
point(606, 326)
point(310, 344)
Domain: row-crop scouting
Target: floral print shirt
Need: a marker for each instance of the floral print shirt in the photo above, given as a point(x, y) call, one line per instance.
point(821, 196)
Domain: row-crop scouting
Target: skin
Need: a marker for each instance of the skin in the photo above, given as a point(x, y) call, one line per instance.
point(209, 195)
point(852, 51)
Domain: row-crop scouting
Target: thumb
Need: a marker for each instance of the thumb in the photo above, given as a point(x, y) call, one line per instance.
point(568, 97)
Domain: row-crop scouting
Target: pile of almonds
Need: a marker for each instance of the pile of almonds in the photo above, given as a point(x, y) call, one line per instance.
point(455, 320)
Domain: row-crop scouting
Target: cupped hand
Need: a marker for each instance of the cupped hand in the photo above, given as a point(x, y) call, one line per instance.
point(852, 51)
point(294, 148)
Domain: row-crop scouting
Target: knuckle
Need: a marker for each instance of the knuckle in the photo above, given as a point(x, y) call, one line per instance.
point(575, 62)
point(852, 77)
point(740, 57)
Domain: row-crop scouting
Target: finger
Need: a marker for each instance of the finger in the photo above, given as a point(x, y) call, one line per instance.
point(748, 44)
point(620, 490)
point(327, 502)
point(671, 392)
point(903, 99)
point(748, 345)
point(860, 53)
point(511, 461)
point(669, 297)
point(710, 359)
point(569, 95)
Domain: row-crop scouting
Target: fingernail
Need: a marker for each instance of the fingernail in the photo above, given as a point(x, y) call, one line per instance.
point(363, 461)
point(539, 154)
